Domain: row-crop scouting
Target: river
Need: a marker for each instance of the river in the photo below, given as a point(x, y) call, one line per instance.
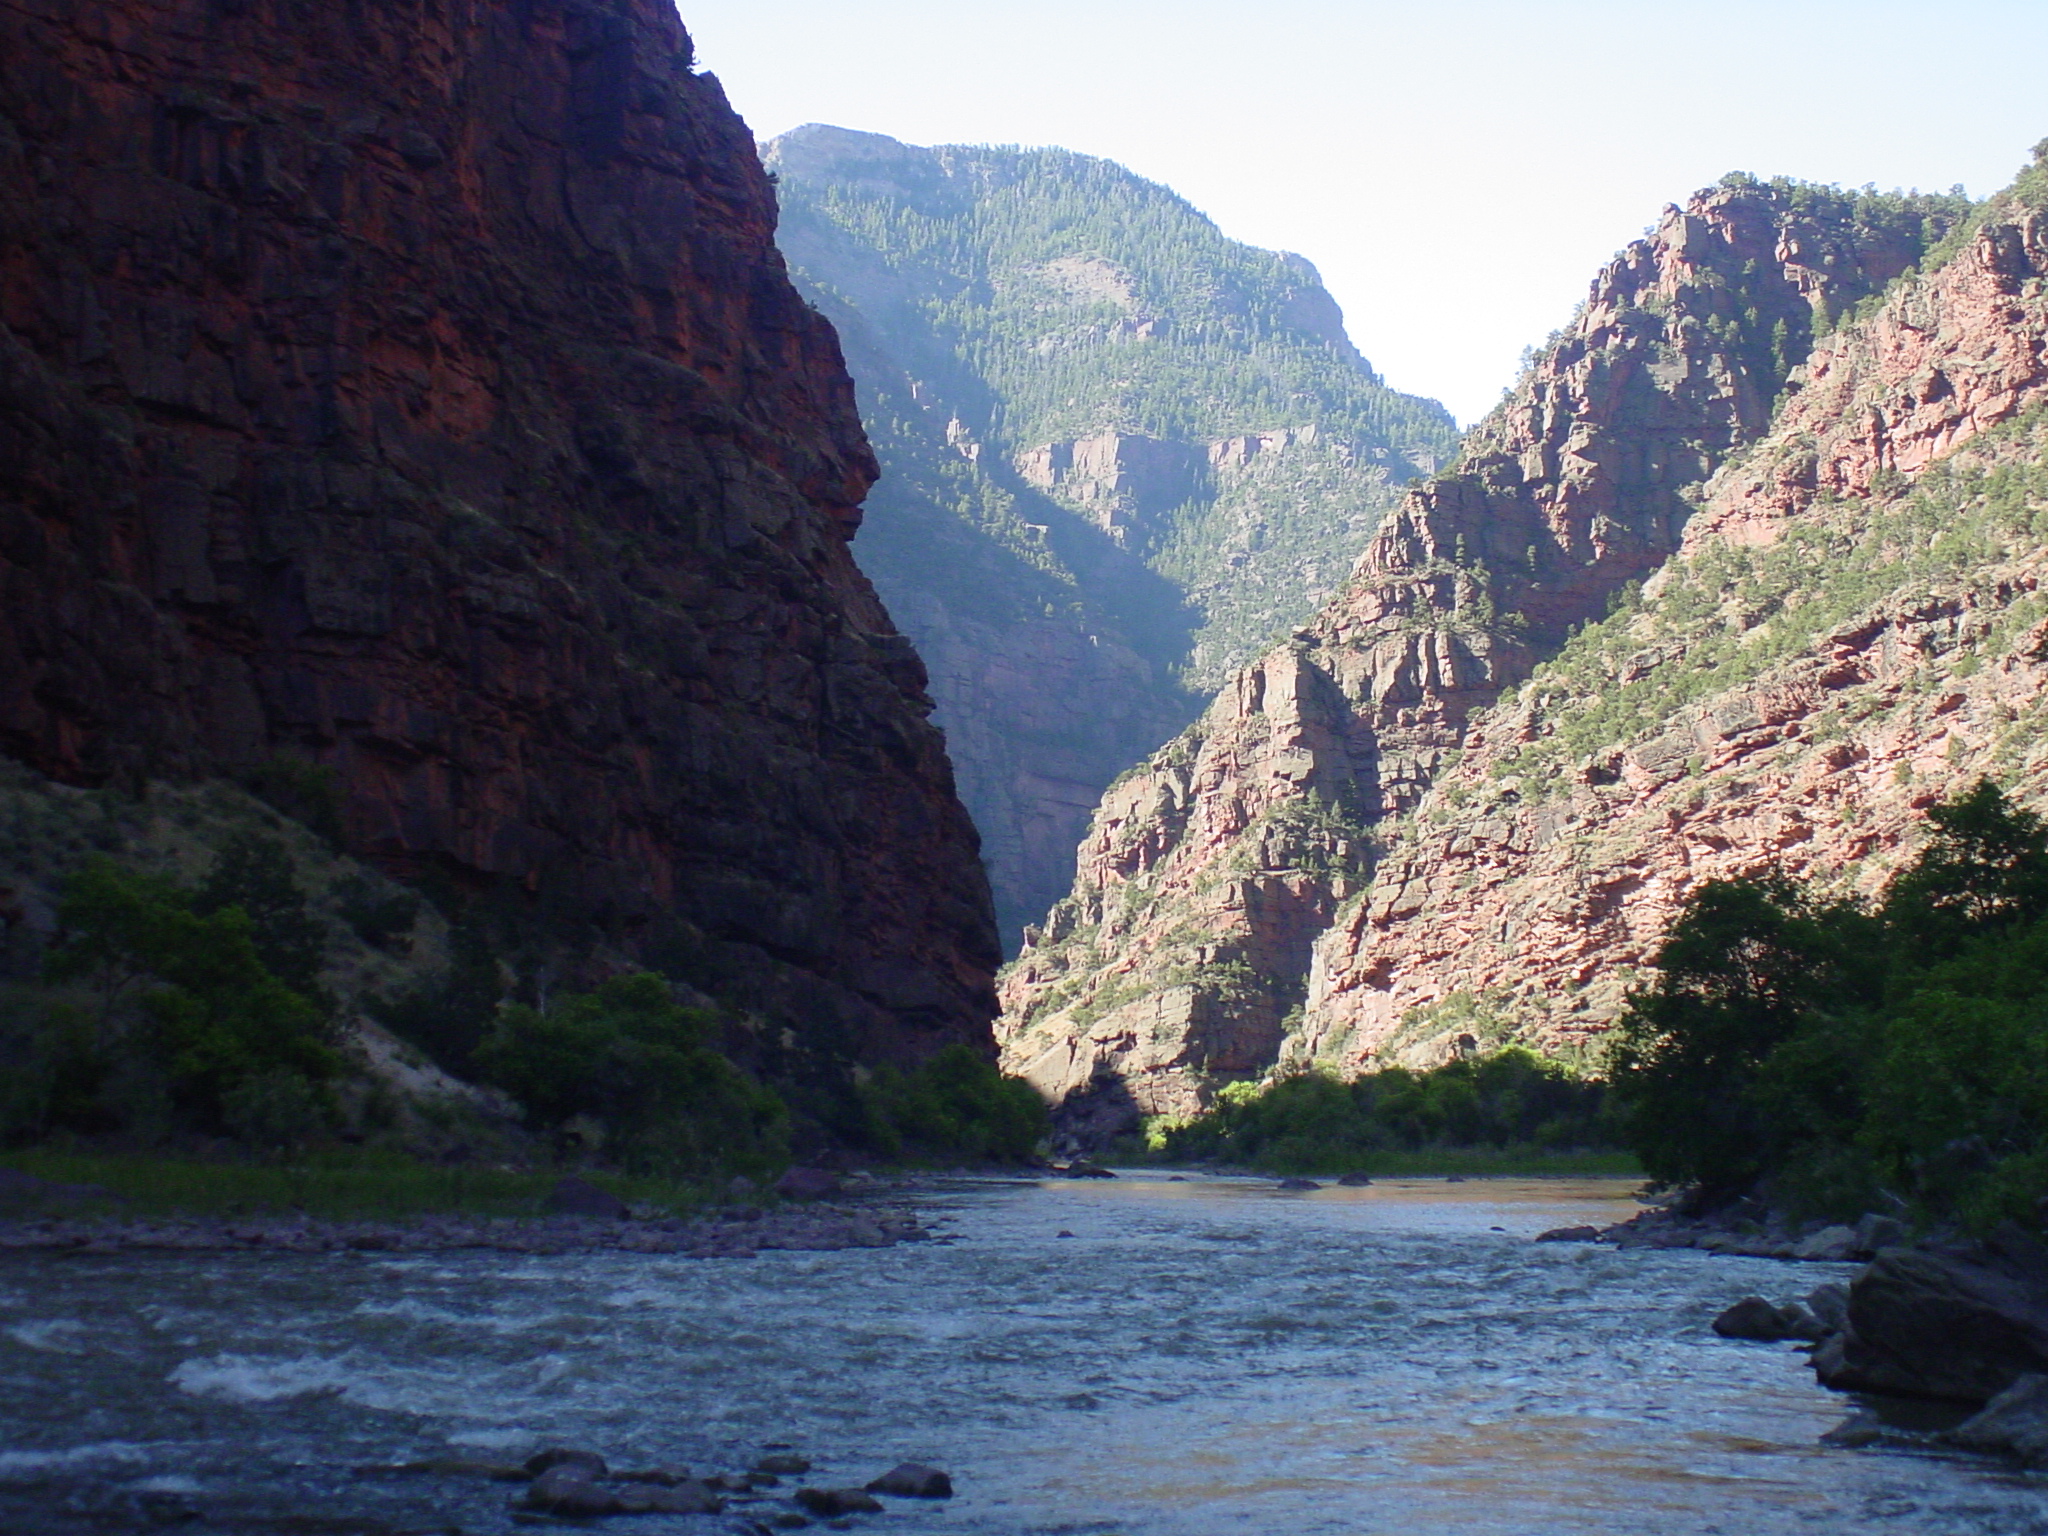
point(1204, 1356)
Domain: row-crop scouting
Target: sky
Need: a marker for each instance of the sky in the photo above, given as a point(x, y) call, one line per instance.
point(1457, 169)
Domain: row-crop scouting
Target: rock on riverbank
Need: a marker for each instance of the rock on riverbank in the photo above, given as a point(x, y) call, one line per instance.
point(733, 1233)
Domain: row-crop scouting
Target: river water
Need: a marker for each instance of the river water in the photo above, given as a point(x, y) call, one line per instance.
point(1204, 1356)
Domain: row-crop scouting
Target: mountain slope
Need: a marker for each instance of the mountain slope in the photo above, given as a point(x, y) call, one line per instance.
point(1854, 630)
point(1120, 453)
point(1183, 955)
point(409, 402)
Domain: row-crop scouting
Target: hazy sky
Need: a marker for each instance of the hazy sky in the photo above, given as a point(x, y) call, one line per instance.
point(1458, 169)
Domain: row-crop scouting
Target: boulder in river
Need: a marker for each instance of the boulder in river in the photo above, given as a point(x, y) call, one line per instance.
point(684, 1498)
point(589, 1463)
point(1754, 1318)
point(1828, 1245)
point(828, 1502)
point(569, 1490)
point(1081, 1168)
point(1569, 1235)
point(1830, 1306)
point(1298, 1184)
point(783, 1464)
point(1355, 1180)
point(913, 1480)
point(1875, 1233)
point(2014, 1423)
point(1963, 1325)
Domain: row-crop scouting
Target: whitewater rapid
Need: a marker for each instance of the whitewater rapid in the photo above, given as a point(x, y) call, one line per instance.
point(1203, 1356)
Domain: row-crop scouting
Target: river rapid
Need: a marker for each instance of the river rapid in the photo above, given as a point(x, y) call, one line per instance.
point(1203, 1356)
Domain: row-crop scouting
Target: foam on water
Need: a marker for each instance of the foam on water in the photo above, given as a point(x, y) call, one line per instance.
point(1199, 1359)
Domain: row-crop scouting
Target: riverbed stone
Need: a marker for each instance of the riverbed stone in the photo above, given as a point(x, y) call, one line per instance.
point(1829, 1245)
point(684, 1498)
point(1962, 1325)
point(2014, 1423)
point(807, 1184)
point(1875, 1232)
point(829, 1502)
point(588, 1464)
point(913, 1480)
point(1569, 1235)
point(1761, 1320)
point(783, 1464)
point(569, 1490)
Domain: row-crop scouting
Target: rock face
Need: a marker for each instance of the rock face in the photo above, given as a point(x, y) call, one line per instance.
point(1852, 632)
point(1925, 1323)
point(1214, 874)
point(1120, 454)
point(411, 402)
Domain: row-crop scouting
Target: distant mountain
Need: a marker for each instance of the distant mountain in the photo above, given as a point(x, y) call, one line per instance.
point(1338, 861)
point(1121, 454)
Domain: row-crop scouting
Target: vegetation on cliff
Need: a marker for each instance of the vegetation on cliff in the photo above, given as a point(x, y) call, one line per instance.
point(1120, 453)
point(1723, 618)
point(1849, 1056)
point(195, 976)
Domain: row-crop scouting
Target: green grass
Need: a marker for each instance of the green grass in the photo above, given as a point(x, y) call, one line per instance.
point(339, 1184)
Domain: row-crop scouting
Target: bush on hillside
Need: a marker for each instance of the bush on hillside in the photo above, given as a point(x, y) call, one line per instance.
point(1841, 1057)
point(642, 1066)
point(956, 1107)
point(181, 1007)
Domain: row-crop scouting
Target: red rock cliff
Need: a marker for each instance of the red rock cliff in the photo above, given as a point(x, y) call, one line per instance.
point(1183, 955)
point(414, 390)
point(1853, 631)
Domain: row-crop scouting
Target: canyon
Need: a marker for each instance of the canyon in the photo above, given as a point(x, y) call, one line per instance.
point(406, 412)
point(1121, 454)
point(1432, 822)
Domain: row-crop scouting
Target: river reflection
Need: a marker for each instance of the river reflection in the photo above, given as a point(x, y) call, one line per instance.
point(1211, 1355)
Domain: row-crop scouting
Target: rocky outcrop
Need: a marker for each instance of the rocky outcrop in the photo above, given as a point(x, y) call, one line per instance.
point(1120, 454)
point(411, 402)
point(1579, 484)
point(1853, 631)
point(1965, 1326)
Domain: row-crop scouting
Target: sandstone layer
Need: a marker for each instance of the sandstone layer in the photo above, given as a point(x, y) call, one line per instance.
point(410, 401)
point(1181, 959)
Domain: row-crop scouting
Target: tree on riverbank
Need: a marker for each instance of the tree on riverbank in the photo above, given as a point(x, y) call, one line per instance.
point(1839, 1056)
point(1513, 1101)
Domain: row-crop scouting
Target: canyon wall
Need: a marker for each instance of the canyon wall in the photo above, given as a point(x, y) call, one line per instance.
point(1120, 454)
point(1212, 875)
point(1854, 629)
point(408, 404)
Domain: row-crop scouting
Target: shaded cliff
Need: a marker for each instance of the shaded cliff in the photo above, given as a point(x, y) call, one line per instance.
point(1854, 630)
point(1183, 955)
point(409, 404)
point(1121, 453)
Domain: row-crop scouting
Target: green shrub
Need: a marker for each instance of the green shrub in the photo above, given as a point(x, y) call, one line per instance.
point(1311, 1122)
point(183, 992)
point(449, 1015)
point(1833, 1055)
point(956, 1107)
point(642, 1065)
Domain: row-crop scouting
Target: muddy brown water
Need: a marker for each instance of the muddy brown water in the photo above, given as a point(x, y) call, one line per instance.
point(1205, 1356)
